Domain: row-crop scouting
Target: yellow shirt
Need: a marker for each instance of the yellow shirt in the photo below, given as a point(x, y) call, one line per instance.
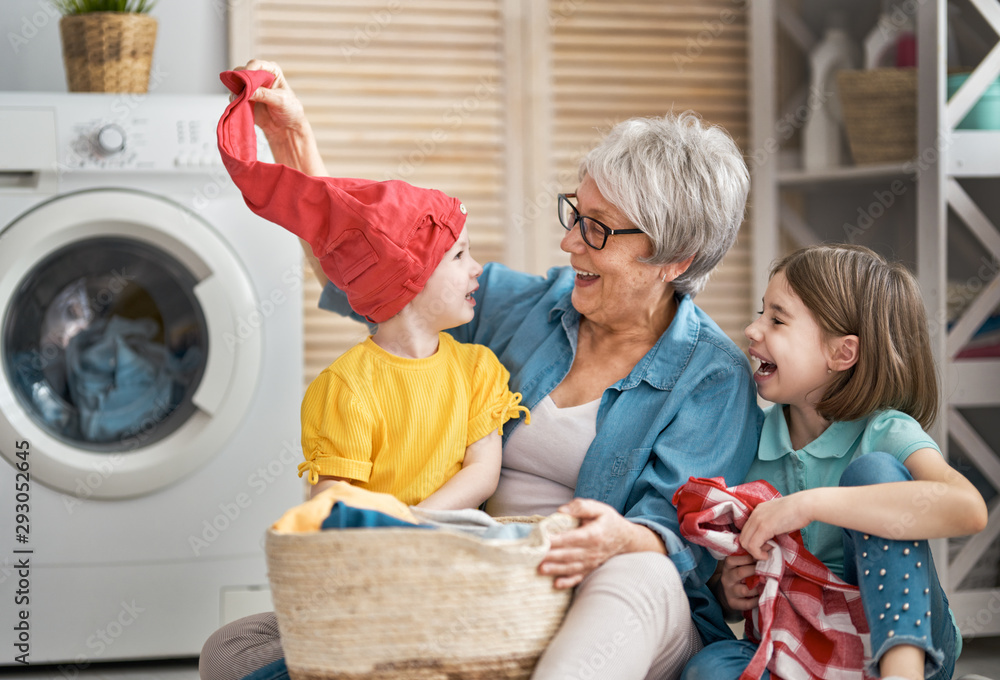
point(309, 516)
point(401, 426)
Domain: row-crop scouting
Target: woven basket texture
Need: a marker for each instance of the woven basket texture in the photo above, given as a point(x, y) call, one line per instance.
point(880, 114)
point(412, 603)
point(107, 51)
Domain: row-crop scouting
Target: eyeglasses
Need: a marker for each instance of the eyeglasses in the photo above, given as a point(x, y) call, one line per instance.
point(595, 234)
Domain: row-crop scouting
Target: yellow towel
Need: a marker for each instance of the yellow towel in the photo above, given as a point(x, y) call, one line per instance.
point(310, 515)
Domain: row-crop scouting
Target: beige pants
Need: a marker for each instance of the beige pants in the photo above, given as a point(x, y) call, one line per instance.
point(629, 620)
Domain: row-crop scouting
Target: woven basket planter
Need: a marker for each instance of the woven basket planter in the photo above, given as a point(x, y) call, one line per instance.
point(880, 114)
point(108, 51)
point(412, 604)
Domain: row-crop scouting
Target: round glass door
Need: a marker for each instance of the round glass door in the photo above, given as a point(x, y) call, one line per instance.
point(114, 362)
point(105, 344)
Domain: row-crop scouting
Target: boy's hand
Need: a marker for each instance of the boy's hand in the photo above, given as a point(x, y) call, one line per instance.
point(735, 569)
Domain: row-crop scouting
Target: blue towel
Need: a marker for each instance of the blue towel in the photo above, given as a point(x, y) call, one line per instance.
point(345, 517)
point(120, 380)
point(112, 380)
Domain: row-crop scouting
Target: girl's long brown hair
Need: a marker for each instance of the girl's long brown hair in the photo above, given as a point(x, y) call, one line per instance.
point(852, 290)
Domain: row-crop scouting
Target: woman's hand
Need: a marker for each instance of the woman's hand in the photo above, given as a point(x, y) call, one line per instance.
point(735, 569)
point(279, 113)
point(276, 109)
point(602, 534)
point(772, 518)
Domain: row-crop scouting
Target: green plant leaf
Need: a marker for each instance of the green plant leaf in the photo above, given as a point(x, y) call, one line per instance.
point(87, 6)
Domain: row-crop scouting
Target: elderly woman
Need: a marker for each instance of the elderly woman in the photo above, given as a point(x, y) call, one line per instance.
point(632, 389)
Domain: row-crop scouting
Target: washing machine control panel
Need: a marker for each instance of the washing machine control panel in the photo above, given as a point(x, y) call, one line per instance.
point(90, 132)
point(142, 143)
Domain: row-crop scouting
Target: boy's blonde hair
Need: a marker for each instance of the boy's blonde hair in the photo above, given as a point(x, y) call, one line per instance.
point(852, 290)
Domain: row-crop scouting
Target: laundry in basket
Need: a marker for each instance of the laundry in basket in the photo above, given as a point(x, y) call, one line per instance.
point(411, 602)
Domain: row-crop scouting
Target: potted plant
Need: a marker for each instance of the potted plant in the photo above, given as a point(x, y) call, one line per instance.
point(107, 44)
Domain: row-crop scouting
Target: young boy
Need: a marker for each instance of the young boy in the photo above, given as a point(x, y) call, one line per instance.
point(409, 411)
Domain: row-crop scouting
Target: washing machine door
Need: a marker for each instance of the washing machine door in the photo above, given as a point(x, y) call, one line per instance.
point(123, 362)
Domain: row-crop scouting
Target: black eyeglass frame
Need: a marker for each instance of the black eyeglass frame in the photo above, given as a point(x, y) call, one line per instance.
point(605, 230)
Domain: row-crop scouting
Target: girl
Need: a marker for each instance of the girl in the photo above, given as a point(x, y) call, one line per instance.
point(844, 355)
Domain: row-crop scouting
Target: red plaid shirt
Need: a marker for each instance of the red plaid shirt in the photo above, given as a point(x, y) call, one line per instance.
point(808, 623)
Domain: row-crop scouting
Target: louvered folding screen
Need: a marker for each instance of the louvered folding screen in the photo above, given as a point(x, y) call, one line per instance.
point(494, 101)
point(615, 60)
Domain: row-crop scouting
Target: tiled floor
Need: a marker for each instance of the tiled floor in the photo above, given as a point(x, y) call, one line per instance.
point(981, 656)
point(178, 669)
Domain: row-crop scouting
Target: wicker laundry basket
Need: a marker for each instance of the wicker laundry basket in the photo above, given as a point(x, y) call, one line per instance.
point(880, 114)
point(413, 604)
point(108, 51)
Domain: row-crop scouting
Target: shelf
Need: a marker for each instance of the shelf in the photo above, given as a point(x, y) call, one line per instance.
point(977, 612)
point(949, 218)
point(973, 153)
point(852, 174)
point(975, 381)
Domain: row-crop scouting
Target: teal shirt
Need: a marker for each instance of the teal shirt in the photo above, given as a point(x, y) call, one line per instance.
point(823, 461)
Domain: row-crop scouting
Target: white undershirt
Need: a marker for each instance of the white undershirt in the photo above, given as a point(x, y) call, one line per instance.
point(541, 461)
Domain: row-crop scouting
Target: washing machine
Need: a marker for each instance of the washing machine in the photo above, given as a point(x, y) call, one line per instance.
point(150, 380)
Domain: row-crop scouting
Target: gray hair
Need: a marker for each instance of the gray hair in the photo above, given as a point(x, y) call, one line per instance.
point(682, 182)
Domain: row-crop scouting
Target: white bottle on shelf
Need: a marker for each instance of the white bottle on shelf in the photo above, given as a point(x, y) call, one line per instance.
point(822, 137)
point(880, 43)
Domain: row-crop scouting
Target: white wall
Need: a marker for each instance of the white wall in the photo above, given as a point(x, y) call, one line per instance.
point(191, 47)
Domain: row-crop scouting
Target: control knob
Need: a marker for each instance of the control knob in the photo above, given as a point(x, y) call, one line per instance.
point(110, 140)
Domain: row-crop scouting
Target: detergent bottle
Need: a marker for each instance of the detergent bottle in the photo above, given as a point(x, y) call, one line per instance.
point(881, 42)
point(822, 137)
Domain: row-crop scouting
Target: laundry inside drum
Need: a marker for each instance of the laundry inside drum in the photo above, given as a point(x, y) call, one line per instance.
point(105, 344)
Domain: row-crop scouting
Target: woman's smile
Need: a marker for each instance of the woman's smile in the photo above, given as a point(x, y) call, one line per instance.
point(585, 278)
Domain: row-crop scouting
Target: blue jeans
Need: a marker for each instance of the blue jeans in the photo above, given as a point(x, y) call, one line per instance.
point(905, 605)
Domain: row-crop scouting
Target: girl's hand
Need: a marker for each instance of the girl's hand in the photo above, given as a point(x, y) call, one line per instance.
point(602, 534)
point(735, 569)
point(772, 518)
point(277, 111)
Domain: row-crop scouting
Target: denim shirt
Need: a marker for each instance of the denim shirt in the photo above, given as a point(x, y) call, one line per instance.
point(687, 409)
